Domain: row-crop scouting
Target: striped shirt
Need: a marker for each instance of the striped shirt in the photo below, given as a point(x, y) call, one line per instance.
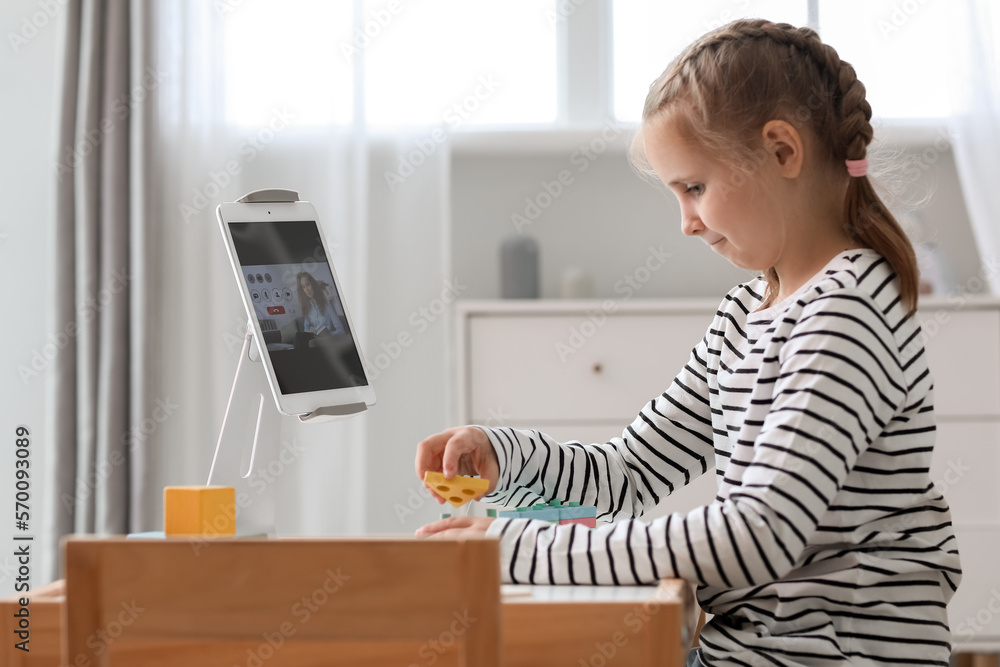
point(827, 543)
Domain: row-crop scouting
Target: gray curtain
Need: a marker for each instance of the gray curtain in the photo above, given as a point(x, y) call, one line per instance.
point(97, 404)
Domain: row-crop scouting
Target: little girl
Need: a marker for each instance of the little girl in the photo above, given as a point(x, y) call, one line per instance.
point(827, 543)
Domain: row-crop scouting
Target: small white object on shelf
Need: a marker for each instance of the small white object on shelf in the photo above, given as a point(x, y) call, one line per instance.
point(576, 284)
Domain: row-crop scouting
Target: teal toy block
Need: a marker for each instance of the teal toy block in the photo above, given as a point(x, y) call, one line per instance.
point(578, 512)
point(554, 512)
point(543, 513)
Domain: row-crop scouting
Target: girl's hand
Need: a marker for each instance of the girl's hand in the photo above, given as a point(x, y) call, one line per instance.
point(465, 450)
point(456, 527)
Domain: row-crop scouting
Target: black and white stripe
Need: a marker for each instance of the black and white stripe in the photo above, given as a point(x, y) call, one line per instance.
point(827, 544)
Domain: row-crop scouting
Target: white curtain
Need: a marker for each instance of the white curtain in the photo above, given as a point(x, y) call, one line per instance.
point(976, 126)
point(389, 247)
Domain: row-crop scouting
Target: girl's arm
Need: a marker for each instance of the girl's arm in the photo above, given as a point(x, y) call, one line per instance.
point(833, 394)
point(307, 324)
point(668, 445)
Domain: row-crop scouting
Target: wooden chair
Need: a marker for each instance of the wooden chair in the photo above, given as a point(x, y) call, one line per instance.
point(282, 602)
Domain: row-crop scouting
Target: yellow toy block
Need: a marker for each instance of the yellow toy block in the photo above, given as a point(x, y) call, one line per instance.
point(459, 489)
point(199, 510)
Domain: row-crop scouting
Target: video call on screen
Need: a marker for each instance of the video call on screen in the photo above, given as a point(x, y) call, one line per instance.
point(296, 302)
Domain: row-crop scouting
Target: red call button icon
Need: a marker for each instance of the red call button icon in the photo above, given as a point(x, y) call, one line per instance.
point(275, 310)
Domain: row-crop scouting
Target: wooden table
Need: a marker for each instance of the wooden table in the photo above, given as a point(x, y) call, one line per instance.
point(575, 626)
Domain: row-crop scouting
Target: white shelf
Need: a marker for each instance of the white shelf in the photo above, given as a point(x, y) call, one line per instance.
point(670, 304)
point(611, 136)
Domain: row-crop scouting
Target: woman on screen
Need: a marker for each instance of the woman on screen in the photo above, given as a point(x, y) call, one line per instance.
point(319, 318)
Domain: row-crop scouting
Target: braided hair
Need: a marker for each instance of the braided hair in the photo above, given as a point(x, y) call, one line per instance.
point(725, 86)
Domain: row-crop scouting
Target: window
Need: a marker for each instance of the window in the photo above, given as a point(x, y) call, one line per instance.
point(427, 62)
point(461, 62)
point(480, 65)
point(283, 55)
point(649, 33)
point(899, 49)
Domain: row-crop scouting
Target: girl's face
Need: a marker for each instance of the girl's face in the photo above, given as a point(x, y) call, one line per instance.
point(726, 207)
point(307, 287)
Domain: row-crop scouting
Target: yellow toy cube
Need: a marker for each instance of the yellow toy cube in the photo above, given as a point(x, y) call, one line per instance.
point(199, 510)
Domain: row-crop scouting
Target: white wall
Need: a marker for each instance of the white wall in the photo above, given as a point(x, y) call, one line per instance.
point(28, 121)
point(606, 220)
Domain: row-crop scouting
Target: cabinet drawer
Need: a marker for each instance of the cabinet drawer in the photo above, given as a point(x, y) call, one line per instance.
point(973, 612)
point(965, 467)
point(572, 368)
point(963, 351)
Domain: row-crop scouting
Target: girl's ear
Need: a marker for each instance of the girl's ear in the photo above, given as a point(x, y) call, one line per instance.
point(784, 143)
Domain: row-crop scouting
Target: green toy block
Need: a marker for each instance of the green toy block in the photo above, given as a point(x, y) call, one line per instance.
point(516, 513)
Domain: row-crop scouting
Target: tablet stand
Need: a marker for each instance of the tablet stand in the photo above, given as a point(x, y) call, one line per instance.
point(252, 418)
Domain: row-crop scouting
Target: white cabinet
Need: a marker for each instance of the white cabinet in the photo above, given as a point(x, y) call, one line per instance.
point(963, 348)
point(582, 370)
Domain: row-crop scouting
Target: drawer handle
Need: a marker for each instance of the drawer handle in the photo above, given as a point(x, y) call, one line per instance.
point(598, 367)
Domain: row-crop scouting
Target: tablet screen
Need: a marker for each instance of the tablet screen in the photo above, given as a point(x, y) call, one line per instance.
point(295, 300)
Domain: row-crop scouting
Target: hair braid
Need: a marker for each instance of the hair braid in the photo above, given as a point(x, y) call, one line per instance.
point(855, 131)
point(855, 127)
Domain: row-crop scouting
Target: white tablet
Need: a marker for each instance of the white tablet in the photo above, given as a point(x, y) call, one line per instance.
point(303, 327)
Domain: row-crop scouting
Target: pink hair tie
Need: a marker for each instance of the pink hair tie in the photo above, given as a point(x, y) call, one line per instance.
point(857, 168)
